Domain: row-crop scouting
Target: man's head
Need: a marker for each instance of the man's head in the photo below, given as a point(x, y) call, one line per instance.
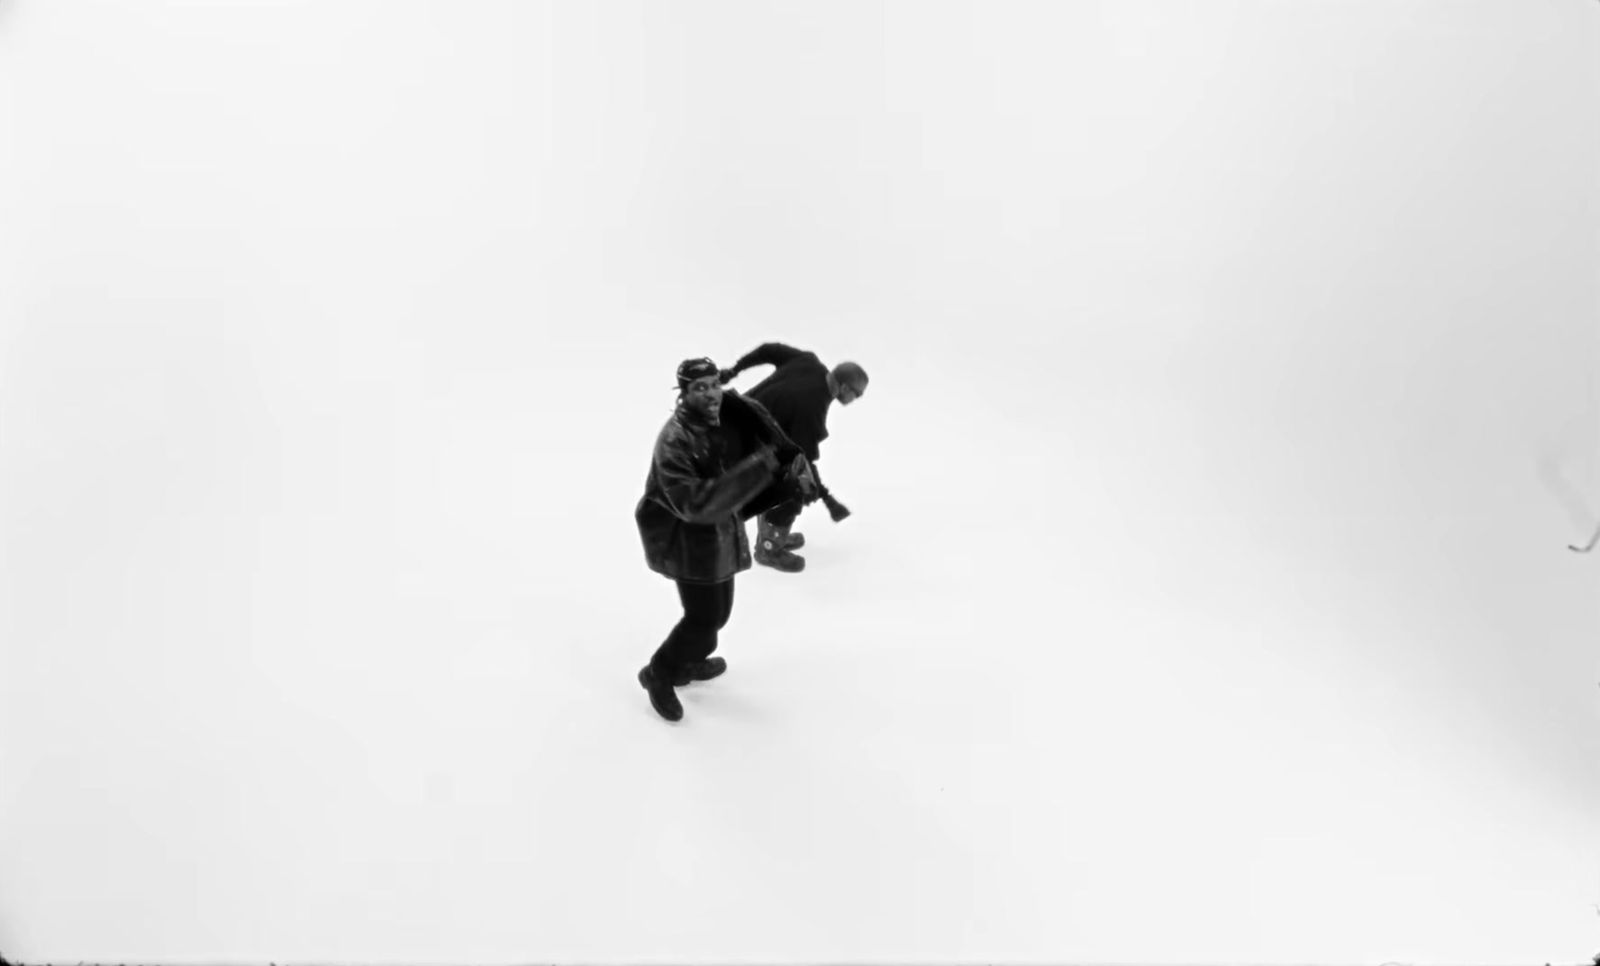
point(849, 382)
point(700, 389)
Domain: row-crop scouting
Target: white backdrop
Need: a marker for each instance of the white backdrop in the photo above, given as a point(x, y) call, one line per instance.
point(1206, 596)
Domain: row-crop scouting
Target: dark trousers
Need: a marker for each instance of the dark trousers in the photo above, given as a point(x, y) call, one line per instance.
point(706, 608)
point(783, 515)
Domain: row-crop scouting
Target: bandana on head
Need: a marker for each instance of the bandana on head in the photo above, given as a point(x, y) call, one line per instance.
point(691, 369)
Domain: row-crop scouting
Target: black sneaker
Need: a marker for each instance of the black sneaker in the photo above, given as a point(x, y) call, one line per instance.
point(662, 696)
point(701, 671)
point(794, 541)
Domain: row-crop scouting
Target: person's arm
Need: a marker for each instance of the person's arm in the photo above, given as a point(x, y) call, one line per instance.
point(696, 499)
point(838, 511)
point(766, 354)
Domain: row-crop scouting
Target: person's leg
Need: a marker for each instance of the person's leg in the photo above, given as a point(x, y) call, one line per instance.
point(724, 611)
point(676, 660)
point(782, 516)
point(792, 511)
point(727, 604)
point(695, 634)
point(704, 667)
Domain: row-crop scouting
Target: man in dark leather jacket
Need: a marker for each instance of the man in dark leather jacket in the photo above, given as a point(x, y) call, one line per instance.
point(719, 460)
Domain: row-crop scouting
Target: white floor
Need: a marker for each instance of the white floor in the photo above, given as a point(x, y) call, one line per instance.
point(1037, 727)
point(1206, 597)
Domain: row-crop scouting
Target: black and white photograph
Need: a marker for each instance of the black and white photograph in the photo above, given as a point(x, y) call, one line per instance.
point(779, 483)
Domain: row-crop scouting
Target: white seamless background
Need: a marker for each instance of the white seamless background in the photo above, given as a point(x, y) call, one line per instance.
point(1206, 597)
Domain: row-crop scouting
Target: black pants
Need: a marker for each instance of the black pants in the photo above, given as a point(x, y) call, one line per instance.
point(706, 608)
point(783, 515)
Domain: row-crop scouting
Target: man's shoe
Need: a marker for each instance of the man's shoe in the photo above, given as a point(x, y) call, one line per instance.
point(771, 552)
point(772, 549)
point(784, 560)
point(701, 671)
point(662, 696)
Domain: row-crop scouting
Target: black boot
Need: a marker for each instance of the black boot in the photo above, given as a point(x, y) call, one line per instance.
point(788, 540)
point(771, 552)
point(662, 696)
point(701, 671)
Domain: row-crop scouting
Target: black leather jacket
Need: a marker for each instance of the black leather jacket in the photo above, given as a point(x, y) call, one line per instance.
point(703, 483)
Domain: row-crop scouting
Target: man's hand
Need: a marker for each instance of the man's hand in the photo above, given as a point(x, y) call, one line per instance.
point(836, 509)
point(726, 376)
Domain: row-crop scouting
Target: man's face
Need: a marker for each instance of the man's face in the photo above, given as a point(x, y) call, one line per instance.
point(849, 392)
point(704, 398)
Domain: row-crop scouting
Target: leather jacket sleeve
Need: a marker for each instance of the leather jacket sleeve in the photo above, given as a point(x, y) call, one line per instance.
point(697, 499)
